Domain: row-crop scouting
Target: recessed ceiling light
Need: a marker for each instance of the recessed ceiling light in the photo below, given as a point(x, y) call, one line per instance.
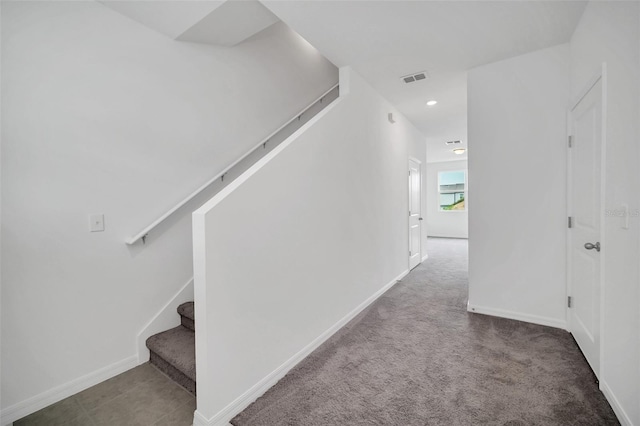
point(459, 151)
point(432, 103)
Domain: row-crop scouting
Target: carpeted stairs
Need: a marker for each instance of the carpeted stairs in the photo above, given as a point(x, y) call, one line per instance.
point(174, 351)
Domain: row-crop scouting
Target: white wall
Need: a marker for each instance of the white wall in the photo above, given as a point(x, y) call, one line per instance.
point(517, 167)
point(452, 224)
point(0, 209)
point(102, 115)
point(311, 234)
point(609, 32)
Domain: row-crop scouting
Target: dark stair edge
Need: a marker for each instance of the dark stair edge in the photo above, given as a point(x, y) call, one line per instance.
point(172, 372)
point(187, 309)
point(177, 347)
point(188, 323)
point(187, 315)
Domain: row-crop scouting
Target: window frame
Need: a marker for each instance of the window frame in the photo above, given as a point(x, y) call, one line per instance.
point(464, 192)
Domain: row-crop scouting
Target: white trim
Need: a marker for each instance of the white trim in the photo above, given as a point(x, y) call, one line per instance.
point(464, 158)
point(200, 294)
point(465, 191)
point(603, 228)
point(623, 418)
point(234, 408)
point(587, 88)
point(569, 213)
point(600, 76)
point(166, 318)
point(344, 80)
point(420, 168)
point(200, 420)
point(449, 237)
point(264, 160)
point(40, 401)
point(518, 316)
point(425, 257)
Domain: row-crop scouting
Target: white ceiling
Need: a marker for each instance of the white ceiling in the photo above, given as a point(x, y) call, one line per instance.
point(384, 40)
point(231, 23)
point(169, 17)
point(217, 22)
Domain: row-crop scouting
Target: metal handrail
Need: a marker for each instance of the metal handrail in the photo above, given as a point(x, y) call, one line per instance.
point(142, 235)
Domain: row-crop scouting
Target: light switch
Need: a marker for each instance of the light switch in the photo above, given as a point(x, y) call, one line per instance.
point(96, 223)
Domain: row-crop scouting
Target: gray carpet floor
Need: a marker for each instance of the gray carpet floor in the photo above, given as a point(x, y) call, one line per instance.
point(417, 357)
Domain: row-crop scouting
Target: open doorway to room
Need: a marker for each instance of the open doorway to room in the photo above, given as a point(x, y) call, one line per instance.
point(447, 177)
point(447, 205)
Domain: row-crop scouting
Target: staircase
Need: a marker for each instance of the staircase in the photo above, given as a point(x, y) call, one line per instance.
point(174, 351)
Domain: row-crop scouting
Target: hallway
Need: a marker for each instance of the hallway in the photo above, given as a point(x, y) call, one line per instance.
point(417, 357)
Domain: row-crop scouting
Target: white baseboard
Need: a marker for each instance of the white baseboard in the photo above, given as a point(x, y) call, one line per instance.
point(223, 417)
point(199, 420)
point(166, 318)
point(38, 402)
point(425, 257)
point(623, 418)
point(535, 319)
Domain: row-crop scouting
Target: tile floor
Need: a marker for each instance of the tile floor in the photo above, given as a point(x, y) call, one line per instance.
point(142, 396)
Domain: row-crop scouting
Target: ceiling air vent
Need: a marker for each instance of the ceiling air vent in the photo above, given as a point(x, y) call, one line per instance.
point(452, 143)
point(415, 77)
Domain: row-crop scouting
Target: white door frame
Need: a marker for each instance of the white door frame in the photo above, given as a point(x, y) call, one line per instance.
point(601, 75)
point(420, 221)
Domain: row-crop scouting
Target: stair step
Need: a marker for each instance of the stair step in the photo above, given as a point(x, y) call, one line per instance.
point(174, 353)
point(187, 315)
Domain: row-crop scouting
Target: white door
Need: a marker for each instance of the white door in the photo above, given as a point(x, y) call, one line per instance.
point(415, 216)
point(585, 192)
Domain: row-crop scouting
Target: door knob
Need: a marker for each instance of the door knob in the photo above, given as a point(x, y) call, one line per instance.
point(419, 218)
point(590, 246)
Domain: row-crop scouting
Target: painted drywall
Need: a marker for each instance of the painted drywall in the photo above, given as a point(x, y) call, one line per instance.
point(451, 224)
point(517, 167)
point(609, 32)
point(0, 209)
point(171, 18)
point(165, 319)
point(103, 115)
point(322, 222)
point(230, 24)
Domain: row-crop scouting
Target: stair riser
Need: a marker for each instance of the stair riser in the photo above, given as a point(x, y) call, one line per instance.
point(187, 322)
point(172, 372)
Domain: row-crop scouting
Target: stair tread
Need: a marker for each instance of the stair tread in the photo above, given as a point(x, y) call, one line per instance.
point(177, 346)
point(187, 310)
